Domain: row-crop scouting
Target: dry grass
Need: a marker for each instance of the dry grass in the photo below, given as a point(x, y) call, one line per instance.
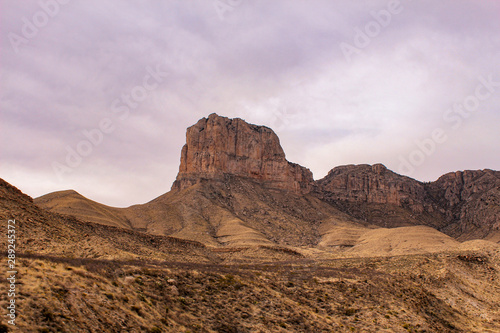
point(454, 292)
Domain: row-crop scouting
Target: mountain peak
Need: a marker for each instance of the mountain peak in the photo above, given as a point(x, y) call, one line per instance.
point(217, 146)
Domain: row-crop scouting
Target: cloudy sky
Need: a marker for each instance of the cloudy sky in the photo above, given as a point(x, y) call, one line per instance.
point(96, 95)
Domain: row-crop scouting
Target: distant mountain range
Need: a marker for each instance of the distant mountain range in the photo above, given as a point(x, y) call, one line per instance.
point(235, 188)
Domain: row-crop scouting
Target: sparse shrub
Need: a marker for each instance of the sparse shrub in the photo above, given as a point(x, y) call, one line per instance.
point(47, 314)
point(229, 281)
point(136, 309)
point(348, 311)
point(60, 293)
point(155, 329)
point(227, 328)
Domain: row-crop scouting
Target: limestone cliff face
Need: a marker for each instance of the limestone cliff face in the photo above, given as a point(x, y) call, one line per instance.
point(371, 184)
point(463, 204)
point(379, 196)
point(455, 188)
point(217, 146)
point(472, 201)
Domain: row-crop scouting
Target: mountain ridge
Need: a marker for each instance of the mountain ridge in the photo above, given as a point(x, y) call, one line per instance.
point(225, 159)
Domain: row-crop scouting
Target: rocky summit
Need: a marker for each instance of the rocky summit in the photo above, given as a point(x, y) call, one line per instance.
point(216, 146)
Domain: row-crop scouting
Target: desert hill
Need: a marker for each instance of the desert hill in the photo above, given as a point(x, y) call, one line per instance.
point(73, 203)
point(236, 212)
point(40, 232)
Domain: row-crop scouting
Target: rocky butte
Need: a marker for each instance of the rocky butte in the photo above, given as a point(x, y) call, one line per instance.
point(217, 146)
point(233, 160)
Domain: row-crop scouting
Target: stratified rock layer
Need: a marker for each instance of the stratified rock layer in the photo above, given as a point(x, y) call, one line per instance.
point(216, 146)
point(463, 204)
point(372, 184)
point(471, 200)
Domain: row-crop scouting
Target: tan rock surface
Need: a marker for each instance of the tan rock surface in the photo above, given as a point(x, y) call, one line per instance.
point(218, 145)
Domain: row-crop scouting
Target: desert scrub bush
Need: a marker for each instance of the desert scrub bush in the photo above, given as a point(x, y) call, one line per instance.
point(136, 309)
point(47, 314)
point(60, 292)
point(347, 311)
point(233, 282)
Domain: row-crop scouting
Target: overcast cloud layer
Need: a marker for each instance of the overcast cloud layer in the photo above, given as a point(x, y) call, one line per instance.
point(337, 85)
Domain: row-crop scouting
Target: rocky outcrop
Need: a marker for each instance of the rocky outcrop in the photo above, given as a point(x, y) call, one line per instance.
point(455, 188)
point(217, 146)
point(463, 204)
point(371, 184)
point(377, 195)
point(471, 200)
